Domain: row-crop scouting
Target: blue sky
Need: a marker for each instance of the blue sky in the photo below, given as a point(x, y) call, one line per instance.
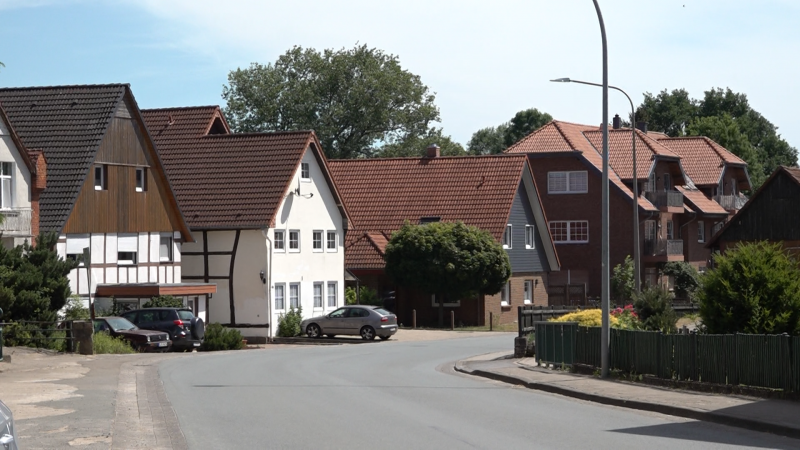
point(485, 60)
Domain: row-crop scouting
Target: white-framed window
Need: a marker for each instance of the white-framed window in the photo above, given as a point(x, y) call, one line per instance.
point(141, 179)
point(75, 245)
point(305, 172)
point(165, 247)
point(331, 294)
point(527, 294)
point(570, 231)
point(6, 183)
point(280, 296)
point(127, 249)
point(294, 240)
point(317, 295)
point(447, 304)
point(650, 230)
point(330, 241)
point(505, 295)
point(701, 231)
point(530, 242)
point(100, 177)
point(316, 241)
point(507, 237)
point(294, 295)
point(576, 182)
point(280, 241)
point(670, 230)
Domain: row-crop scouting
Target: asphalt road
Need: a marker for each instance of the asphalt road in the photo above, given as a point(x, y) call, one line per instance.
point(403, 395)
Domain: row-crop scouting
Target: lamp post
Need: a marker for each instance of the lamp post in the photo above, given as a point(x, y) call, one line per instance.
point(637, 275)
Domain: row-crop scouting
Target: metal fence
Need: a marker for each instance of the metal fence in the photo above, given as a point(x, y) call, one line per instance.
point(769, 361)
point(529, 315)
point(52, 335)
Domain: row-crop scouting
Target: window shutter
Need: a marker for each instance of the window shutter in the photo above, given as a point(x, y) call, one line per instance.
point(76, 243)
point(129, 243)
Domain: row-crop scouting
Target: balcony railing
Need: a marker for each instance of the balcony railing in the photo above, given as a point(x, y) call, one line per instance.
point(663, 247)
point(16, 221)
point(662, 199)
point(731, 202)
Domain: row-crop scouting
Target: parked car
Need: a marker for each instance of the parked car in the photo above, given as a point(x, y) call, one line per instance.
point(141, 340)
point(363, 320)
point(8, 439)
point(185, 330)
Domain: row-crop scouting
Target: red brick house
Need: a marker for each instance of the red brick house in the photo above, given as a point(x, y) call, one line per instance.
point(495, 193)
point(566, 159)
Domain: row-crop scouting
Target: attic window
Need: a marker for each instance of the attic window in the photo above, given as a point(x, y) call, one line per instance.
point(100, 177)
point(305, 172)
point(141, 179)
point(430, 219)
point(217, 127)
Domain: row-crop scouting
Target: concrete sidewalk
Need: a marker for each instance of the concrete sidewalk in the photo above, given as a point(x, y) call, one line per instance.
point(780, 417)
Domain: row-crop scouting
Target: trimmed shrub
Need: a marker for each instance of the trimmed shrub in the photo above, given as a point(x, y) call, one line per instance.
point(654, 307)
point(105, 344)
point(289, 323)
point(586, 318)
point(754, 288)
point(220, 338)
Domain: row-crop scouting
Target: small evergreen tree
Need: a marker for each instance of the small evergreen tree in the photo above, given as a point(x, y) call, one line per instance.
point(753, 288)
point(654, 308)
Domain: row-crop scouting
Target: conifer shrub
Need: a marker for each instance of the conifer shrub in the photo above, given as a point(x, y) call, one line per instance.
point(220, 338)
point(654, 307)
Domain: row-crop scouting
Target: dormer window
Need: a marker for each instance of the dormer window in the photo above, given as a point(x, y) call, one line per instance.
point(429, 219)
point(305, 172)
point(141, 179)
point(100, 176)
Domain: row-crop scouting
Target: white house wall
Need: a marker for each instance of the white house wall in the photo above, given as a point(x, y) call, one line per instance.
point(20, 183)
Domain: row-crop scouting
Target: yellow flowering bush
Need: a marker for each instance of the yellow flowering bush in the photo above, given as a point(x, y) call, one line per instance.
point(586, 318)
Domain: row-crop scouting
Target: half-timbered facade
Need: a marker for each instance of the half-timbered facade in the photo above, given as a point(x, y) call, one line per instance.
point(107, 195)
point(268, 221)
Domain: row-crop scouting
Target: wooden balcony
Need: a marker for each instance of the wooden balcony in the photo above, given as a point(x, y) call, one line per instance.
point(669, 201)
point(731, 202)
point(662, 250)
point(16, 222)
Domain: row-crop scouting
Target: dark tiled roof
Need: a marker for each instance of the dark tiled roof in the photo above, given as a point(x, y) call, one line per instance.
point(171, 124)
point(365, 250)
point(701, 158)
point(67, 123)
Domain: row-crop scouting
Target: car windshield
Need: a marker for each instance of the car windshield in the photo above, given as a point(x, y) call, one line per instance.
point(120, 324)
point(382, 312)
point(185, 315)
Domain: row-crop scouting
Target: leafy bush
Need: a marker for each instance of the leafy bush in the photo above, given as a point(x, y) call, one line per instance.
point(586, 318)
point(104, 343)
point(687, 278)
point(368, 296)
point(754, 288)
point(289, 323)
point(220, 338)
point(622, 282)
point(34, 335)
point(627, 319)
point(75, 310)
point(164, 301)
point(654, 307)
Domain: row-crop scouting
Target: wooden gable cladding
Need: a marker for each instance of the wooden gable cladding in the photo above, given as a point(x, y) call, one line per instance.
point(120, 208)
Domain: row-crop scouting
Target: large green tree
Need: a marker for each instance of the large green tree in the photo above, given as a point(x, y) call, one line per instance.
point(753, 288)
point(417, 145)
point(33, 280)
point(451, 260)
point(492, 140)
point(726, 117)
point(355, 99)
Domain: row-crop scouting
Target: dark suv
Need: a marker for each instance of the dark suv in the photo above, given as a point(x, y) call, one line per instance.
point(185, 330)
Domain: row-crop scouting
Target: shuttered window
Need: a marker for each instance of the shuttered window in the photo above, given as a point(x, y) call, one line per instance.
point(127, 248)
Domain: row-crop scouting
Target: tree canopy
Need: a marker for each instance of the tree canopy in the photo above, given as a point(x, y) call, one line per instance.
point(356, 100)
point(33, 280)
point(727, 118)
point(447, 259)
point(416, 146)
point(492, 140)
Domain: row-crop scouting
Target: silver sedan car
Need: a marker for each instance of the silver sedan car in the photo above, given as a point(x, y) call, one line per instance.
point(363, 320)
point(7, 436)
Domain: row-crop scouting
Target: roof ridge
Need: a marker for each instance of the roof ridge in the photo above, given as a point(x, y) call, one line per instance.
point(181, 108)
point(256, 134)
point(30, 88)
point(410, 158)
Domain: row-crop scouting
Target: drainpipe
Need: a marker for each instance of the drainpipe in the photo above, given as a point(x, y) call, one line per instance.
point(268, 284)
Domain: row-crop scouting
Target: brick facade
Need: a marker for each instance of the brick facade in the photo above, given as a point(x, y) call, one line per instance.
point(508, 314)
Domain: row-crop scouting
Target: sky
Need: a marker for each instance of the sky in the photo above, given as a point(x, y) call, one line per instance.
point(485, 60)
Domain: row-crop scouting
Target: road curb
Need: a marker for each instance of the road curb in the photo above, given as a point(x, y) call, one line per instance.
point(688, 413)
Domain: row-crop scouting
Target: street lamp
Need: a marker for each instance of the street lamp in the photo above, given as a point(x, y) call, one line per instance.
point(637, 276)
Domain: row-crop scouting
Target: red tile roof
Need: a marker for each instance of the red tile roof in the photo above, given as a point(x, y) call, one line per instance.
point(702, 159)
point(228, 180)
point(382, 194)
point(558, 137)
point(365, 250)
point(620, 152)
point(700, 202)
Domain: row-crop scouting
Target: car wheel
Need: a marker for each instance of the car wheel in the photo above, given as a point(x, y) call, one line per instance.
point(384, 338)
point(368, 333)
point(330, 336)
point(313, 331)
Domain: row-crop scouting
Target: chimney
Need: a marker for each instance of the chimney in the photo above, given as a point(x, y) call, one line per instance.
point(432, 151)
point(617, 123)
point(642, 126)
